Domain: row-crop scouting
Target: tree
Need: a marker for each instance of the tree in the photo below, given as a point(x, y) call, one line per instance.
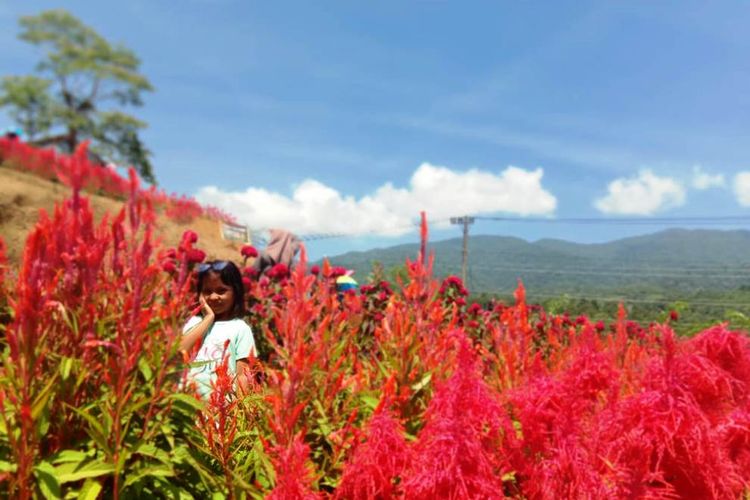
point(30, 103)
point(90, 81)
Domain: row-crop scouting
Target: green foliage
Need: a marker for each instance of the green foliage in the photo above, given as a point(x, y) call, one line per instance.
point(29, 100)
point(87, 74)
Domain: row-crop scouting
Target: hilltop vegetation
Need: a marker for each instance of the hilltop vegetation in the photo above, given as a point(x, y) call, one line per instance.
point(31, 182)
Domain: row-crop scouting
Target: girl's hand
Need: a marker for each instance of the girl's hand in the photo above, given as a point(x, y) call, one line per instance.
point(196, 333)
point(207, 311)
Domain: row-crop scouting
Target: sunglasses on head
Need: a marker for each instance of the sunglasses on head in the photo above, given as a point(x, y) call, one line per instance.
point(217, 266)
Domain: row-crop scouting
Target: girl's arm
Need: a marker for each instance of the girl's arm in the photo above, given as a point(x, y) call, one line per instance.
point(243, 371)
point(196, 333)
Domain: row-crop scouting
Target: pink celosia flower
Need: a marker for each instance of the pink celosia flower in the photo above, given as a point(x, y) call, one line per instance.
point(376, 463)
point(457, 451)
point(293, 474)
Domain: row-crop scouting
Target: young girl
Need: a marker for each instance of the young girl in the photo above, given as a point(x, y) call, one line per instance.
point(219, 330)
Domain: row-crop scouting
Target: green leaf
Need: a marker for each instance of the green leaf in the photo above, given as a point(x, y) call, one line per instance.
point(370, 401)
point(152, 471)
point(40, 402)
point(94, 468)
point(422, 383)
point(94, 429)
point(69, 456)
point(149, 450)
point(169, 490)
point(7, 466)
point(145, 369)
point(47, 480)
point(65, 366)
point(322, 421)
point(90, 490)
point(188, 401)
point(518, 428)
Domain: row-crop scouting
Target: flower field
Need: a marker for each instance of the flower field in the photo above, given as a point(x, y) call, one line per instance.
point(400, 390)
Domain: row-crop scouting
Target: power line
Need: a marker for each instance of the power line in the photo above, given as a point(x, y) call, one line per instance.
point(696, 220)
point(612, 273)
point(662, 269)
point(257, 233)
point(625, 300)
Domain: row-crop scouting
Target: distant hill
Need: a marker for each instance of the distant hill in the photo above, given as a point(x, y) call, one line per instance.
point(675, 259)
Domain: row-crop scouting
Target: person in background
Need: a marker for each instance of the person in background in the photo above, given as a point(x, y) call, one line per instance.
point(345, 283)
point(219, 328)
point(281, 249)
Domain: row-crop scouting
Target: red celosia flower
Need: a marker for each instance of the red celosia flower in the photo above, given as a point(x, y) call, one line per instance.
point(249, 251)
point(674, 315)
point(338, 271)
point(190, 236)
point(195, 256)
point(315, 270)
point(278, 271)
point(247, 283)
point(169, 266)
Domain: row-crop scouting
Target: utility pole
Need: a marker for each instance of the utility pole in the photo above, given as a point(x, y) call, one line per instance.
point(464, 221)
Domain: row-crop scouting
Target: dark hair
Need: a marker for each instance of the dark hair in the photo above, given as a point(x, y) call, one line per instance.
point(230, 275)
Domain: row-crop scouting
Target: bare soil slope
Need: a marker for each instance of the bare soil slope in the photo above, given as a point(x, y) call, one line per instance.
point(22, 195)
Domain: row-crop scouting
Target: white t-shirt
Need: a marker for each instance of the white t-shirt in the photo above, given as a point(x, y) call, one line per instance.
point(240, 346)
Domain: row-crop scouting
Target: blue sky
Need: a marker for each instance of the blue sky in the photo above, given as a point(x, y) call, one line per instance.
point(350, 117)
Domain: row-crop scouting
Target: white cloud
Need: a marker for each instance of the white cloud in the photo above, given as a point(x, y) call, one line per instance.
point(742, 188)
point(389, 211)
point(642, 195)
point(703, 180)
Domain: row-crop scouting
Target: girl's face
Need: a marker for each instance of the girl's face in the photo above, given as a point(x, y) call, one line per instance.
point(219, 295)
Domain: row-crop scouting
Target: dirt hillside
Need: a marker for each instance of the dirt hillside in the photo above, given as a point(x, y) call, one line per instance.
point(22, 195)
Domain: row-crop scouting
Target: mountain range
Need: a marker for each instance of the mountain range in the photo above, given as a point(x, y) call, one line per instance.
point(689, 260)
